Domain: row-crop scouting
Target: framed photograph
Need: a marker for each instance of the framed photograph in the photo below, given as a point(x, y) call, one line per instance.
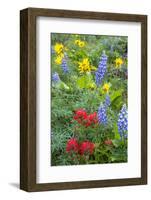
point(83, 99)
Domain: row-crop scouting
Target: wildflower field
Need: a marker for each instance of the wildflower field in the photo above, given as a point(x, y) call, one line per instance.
point(89, 118)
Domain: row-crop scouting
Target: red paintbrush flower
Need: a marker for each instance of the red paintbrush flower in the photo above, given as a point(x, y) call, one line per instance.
point(83, 118)
point(72, 145)
point(86, 147)
point(81, 113)
point(93, 118)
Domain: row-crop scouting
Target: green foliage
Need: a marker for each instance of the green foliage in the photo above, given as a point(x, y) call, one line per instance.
point(116, 99)
point(85, 81)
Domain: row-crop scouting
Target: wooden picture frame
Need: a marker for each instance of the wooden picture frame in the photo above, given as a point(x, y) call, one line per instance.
point(28, 98)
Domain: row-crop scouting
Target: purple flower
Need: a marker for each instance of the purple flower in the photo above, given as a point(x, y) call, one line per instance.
point(107, 100)
point(102, 116)
point(55, 77)
point(64, 66)
point(99, 75)
point(122, 122)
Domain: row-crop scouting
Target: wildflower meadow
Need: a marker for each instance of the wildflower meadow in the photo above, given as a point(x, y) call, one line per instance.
point(89, 110)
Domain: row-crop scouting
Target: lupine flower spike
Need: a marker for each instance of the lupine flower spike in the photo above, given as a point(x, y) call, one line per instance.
point(64, 66)
point(102, 116)
point(123, 122)
point(99, 75)
point(107, 100)
point(55, 77)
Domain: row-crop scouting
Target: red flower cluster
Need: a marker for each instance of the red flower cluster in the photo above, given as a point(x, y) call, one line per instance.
point(80, 115)
point(72, 145)
point(84, 119)
point(85, 147)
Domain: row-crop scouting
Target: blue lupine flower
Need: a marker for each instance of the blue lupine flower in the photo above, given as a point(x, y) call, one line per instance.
point(55, 77)
point(64, 66)
point(99, 75)
point(107, 100)
point(102, 116)
point(123, 122)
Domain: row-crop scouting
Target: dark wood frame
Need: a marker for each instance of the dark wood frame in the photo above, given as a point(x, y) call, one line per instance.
point(28, 98)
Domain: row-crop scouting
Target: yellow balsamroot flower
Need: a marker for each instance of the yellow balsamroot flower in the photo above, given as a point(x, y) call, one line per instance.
point(77, 42)
point(58, 48)
point(59, 58)
point(84, 66)
point(106, 87)
point(118, 62)
point(80, 43)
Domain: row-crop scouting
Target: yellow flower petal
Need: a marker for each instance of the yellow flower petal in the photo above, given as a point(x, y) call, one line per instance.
point(106, 87)
point(118, 62)
point(59, 58)
point(84, 66)
point(79, 43)
point(58, 48)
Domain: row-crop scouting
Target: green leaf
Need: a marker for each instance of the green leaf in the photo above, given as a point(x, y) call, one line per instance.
point(63, 86)
point(116, 99)
point(116, 133)
point(81, 82)
point(113, 158)
point(120, 156)
point(116, 94)
point(116, 143)
point(85, 81)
